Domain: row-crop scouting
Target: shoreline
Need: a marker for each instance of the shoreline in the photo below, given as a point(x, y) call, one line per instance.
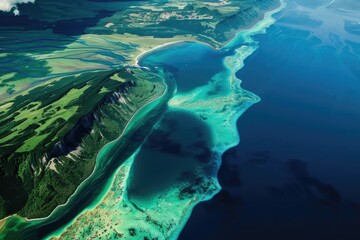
point(136, 64)
point(113, 179)
point(3, 220)
point(263, 23)
point(146, 52)
point(83, 182)
point(267, 15)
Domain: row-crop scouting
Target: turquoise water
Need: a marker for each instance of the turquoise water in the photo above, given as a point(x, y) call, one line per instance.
point(183, 153)
point(177, 153)
point(295, 174)
point(153, 191)
point(92, 190)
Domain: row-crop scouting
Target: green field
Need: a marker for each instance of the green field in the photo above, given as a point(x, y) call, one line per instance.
point(33, 123)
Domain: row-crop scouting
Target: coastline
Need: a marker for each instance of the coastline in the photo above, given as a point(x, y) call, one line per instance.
point(147, 52)
point(144, 53)
point(187, 210)
point(3, 221)
point(266, 22)
point(267, 16)
point(114, 174)
point(136, 61)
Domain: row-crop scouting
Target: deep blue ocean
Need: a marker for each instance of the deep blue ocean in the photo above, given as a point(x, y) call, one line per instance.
point(295, 173)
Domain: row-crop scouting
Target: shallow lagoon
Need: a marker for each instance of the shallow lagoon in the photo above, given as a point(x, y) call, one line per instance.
point(193, 64)
point(161, 209)
point(210, 112)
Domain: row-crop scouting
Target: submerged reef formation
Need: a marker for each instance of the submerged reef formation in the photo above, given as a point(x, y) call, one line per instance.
point(54, 73)
point(76, 89)
point(144, 201)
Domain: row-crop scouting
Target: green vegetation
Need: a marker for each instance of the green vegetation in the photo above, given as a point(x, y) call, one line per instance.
point(81, 114)
point(213, 22)
point(30, 56)
point(59, 102)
